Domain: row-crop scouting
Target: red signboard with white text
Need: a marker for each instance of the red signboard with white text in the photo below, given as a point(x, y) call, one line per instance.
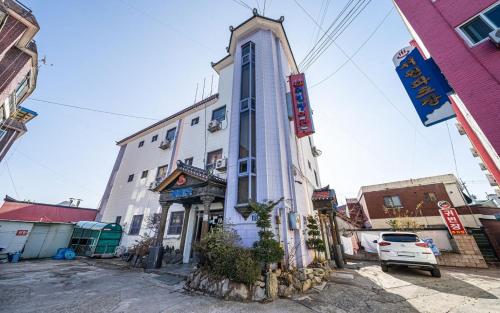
point(452, 221)
point(301, 108)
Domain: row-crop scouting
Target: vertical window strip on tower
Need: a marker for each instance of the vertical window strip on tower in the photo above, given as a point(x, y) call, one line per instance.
point(246, 156)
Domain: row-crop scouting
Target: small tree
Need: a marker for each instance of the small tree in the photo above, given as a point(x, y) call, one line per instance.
point(405, 220)
point(267, 250)
point(314, 241)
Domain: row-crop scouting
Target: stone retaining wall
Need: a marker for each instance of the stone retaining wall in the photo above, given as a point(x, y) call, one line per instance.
point(281, 284)
point(468, 253)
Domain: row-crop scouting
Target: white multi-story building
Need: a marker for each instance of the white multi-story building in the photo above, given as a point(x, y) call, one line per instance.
point(238, 144)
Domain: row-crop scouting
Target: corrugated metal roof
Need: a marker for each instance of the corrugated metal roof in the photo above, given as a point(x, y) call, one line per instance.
point(13, 209)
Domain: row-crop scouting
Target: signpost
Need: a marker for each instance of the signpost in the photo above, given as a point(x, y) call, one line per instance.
point(301, 108)
point(425, 85)
point(452, 221)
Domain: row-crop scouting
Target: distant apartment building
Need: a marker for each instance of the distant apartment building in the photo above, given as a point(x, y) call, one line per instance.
point(207, 162)
point(18, 70)
point(418, 199)
point(463, 38)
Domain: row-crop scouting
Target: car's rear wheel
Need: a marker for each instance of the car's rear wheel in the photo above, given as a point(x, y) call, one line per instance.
point(436, 272)
point(385, 268)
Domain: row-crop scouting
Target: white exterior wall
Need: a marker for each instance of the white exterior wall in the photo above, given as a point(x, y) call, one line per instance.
point(134, 198)
point(278, 149)
point(8, 238)
point(278, 153)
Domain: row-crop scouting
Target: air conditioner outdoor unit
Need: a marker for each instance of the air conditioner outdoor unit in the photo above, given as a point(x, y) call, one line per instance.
point(474, 152)
point(482, 166)
point(165, 144)
point(214, 126)
point(154, 184)
point(221, 164)
point(495, 37)
point(460, 128)
point(491, 180)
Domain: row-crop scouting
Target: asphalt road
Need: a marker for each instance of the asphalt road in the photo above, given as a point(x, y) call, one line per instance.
point(97, 286)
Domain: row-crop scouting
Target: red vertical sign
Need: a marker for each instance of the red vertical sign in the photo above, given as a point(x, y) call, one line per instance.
point(452, 221)
point(301, 108)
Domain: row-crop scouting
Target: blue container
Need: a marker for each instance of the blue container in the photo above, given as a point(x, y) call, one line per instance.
point(69, 254)
point(59, 254)
point(14, 257)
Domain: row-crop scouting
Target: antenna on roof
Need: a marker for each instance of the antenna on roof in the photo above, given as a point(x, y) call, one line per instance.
point(196, 93)
point(203, 91)
point(211, 84)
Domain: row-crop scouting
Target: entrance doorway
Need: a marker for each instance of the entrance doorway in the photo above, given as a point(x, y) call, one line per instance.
point(215, 218)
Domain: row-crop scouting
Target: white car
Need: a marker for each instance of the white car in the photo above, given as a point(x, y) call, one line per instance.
point(405, 248)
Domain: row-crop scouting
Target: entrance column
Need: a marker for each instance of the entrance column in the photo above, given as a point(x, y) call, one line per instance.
point(207, 201)
point(163, 223)
point(156, 251)
point(187, 210)
point(337, 249)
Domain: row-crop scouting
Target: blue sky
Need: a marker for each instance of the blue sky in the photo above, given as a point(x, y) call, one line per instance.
point(146, 57)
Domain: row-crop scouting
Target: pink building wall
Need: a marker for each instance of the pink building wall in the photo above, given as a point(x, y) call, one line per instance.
point(473, 72)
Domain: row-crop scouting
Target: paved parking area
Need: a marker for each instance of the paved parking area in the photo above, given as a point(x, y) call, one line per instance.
point(101, 286)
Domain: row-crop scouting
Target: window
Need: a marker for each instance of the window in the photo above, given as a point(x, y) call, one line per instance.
point(175, 225)
point(118, 219)
point(395, 237)
point(316, 178)
point(392, 202)
point(195, 121)
point(144, 174)
point(155, 220)
point(141, 143)
point(154, 138)
point(135, 226)
point(430, 197)
point(219, 114)
point(477, 29)
point(170, 134)
point(23, 87)
point(161, 173)
point(212, 157)
point(309, 164)
point(130, 178)
point(189, 161)
point(246, 155)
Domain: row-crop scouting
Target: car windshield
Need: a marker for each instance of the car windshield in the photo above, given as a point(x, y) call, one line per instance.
point(400, 237)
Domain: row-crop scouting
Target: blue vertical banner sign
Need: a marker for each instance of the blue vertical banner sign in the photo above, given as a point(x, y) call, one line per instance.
point(425, 85)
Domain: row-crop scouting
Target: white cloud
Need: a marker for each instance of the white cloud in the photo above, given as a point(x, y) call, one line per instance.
point(443, 112)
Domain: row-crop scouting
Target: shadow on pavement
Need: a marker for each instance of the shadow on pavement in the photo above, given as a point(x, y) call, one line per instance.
point(355, 294)
point(446, 284)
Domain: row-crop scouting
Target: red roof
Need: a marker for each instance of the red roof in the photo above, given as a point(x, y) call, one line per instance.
point(40, 212)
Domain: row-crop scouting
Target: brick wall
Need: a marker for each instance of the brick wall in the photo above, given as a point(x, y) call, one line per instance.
point(10, 33)
point(492, 230)
point(467, 253)
point(473, 72)
point(410, 197)
point(11, 65)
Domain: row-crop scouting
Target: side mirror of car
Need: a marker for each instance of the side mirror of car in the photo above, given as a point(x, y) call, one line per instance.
point(375, 241)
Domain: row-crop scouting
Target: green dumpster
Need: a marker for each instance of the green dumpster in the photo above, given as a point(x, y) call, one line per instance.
point(95, 239)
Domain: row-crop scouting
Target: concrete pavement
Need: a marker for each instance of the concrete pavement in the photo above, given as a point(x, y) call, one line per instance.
point(87, 285)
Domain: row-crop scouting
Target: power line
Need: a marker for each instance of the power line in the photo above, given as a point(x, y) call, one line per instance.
point(243, 4)
point(53, 171)
point(11, 179)
point(161, 22)
point(324, 32)
point(357, 50)
point(335, 34)
point(93, 110)
point(325, 35)
point(380, 90)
